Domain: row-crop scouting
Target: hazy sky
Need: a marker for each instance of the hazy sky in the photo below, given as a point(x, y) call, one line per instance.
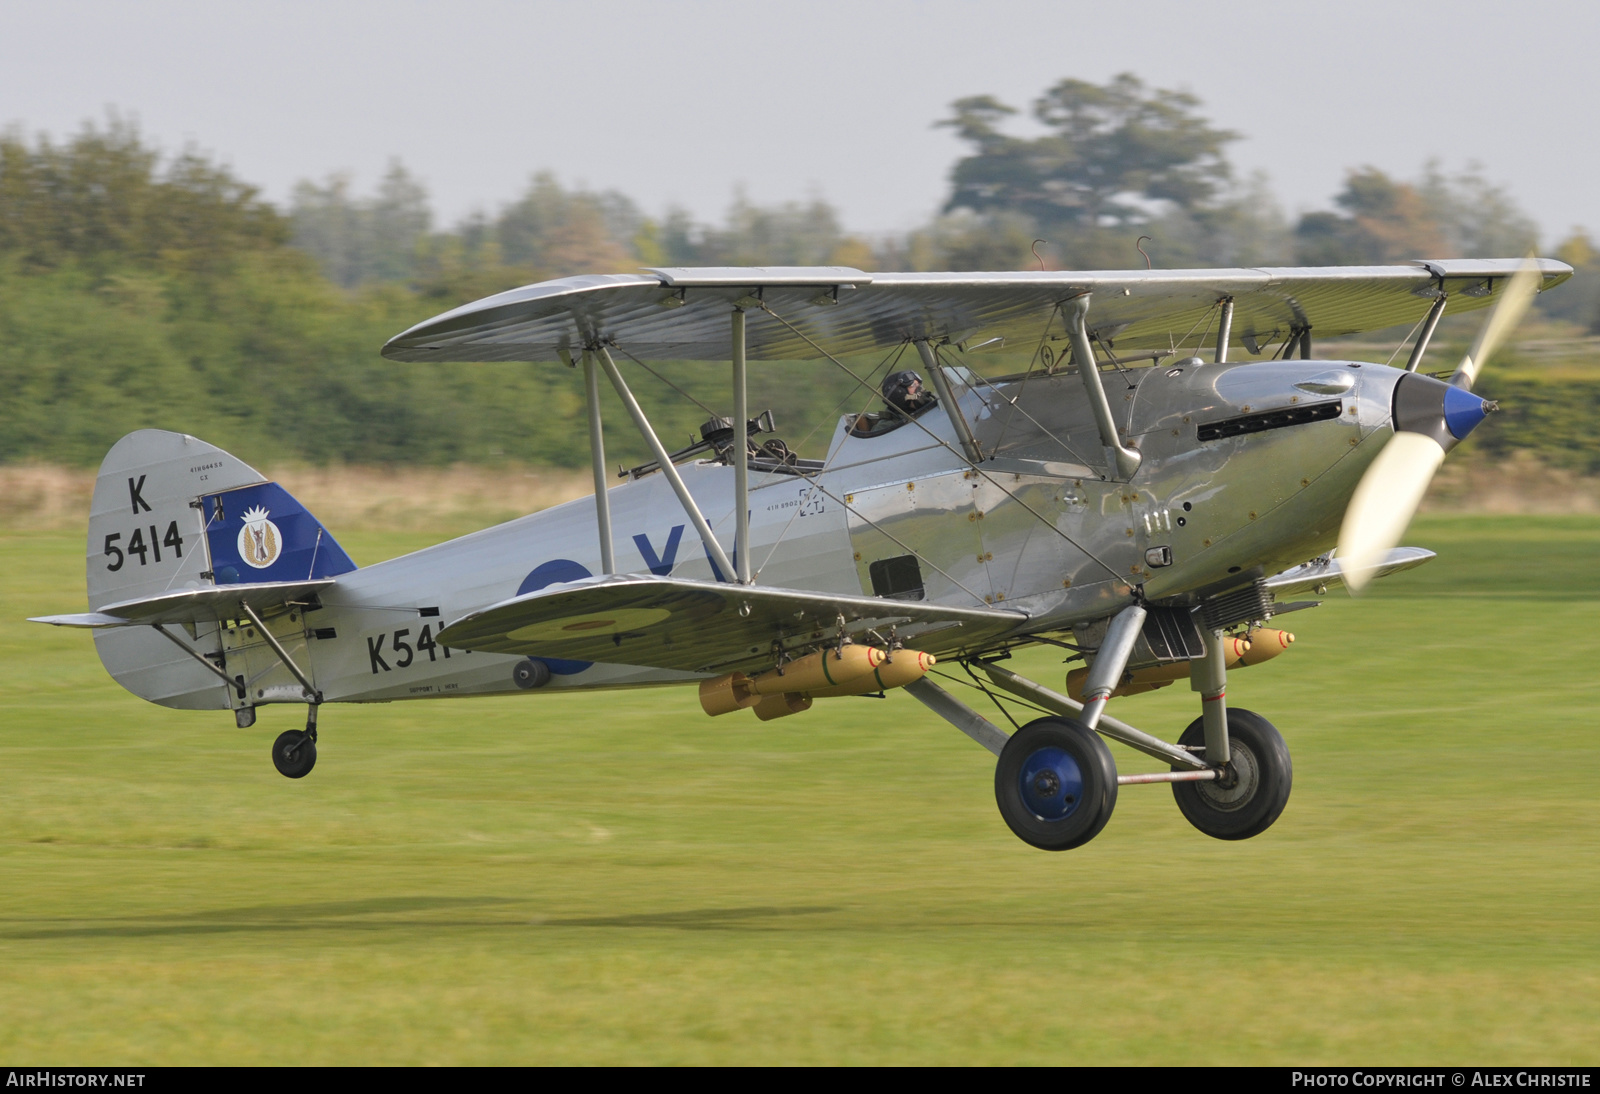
point(679, 102)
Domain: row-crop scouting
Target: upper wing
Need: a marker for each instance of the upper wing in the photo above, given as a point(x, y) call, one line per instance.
point(212, 604)
point(682, 314)
point(703, 626)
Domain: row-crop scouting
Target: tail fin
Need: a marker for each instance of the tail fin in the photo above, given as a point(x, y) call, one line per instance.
point(172, 512)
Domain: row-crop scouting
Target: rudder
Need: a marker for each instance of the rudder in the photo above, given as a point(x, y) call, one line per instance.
point(261, 533)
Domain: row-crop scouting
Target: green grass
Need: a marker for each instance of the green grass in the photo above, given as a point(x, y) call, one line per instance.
point(616, 878)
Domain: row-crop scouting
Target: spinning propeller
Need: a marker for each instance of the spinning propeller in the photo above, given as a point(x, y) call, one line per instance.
point(1429, 419)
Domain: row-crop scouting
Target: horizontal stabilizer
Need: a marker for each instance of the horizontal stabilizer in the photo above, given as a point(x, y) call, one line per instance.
point(703, 626)
point(1327, 572)
point(208, 605)
point(82, 619)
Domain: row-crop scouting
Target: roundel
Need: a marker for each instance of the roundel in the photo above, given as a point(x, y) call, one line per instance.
point(260, 542)
point(551, 573)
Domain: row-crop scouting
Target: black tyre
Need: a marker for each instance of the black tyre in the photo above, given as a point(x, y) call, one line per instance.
point(1056, 783)
point(1260, 775)
point(529, 674)
point(294, 754)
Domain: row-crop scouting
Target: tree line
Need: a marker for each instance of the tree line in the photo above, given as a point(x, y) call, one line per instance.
point(145, 289)
point(1116, 163)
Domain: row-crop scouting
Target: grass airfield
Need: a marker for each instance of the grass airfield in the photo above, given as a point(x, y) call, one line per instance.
point(615, 878)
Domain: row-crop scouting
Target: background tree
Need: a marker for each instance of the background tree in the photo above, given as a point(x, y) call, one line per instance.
point(1578, 301)
point(1478, 219)
point(144, 289)
point(1112, 153)
point(138, 289)
point(558, 232)
point(104, 198)
point(790, 234)
point(357, 240)
point(1383, 220)
point(1116, 159)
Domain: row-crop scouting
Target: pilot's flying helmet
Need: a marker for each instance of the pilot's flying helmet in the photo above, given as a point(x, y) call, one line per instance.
point(903, 391)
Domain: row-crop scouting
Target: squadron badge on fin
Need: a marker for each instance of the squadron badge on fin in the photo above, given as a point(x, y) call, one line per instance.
point(260, 542)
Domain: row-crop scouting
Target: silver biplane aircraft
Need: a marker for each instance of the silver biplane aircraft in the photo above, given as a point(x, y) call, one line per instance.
point(1147, 507)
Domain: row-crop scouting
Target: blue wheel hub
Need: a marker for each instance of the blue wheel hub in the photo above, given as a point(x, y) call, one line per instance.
point(1052, 784)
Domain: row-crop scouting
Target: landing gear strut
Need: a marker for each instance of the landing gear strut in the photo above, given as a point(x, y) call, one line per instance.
point(1056, 781)
point(294, 753)
point(1248, 754)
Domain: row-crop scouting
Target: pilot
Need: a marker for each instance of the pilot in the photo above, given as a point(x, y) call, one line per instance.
point(903, 391)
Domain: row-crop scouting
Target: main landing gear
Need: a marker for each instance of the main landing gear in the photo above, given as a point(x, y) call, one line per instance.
point(1056, 781)
point(1253, 786)
point(294, 753)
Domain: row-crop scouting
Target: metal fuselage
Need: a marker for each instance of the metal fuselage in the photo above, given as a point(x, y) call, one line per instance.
point(1041, 526)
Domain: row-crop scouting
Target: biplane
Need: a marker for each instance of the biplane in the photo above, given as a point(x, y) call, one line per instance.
point(1170, 469)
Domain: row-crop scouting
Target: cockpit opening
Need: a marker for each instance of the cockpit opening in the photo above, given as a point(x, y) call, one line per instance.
point(904, 398)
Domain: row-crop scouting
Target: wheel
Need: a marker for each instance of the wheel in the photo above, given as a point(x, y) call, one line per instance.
point(294, 754)
point(1056, 783)
point(1253, 797)
point(529, 673)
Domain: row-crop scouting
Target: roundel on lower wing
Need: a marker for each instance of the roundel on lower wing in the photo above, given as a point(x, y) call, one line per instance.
point(588, 623)
point(555, 572)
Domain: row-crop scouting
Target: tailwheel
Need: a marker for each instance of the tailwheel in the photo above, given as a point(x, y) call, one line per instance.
point(1254, 786)
point(294, 753)
point(1056, 783)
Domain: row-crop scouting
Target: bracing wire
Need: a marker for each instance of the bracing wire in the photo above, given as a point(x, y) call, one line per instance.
point(892, 355)
point(1116, 364)
point(1006, 714)
point(205, 530)
point(890, 360)
point(875, 526)
point(995, 698)
point(1013, 402)
point(1038, 352)
point(947, 445)
point(1409, 335)
point(1206, 317)
point(1201, 343)
point(666, 381)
